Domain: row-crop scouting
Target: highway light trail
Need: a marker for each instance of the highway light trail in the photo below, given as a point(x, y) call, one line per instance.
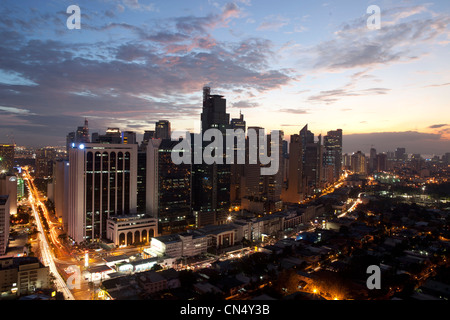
point(46, 252)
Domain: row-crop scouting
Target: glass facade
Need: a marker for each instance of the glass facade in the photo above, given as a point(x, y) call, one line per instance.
point(107, 189)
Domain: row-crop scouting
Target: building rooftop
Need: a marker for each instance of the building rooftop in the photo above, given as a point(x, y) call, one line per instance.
point(3, 200)
point(116, 258)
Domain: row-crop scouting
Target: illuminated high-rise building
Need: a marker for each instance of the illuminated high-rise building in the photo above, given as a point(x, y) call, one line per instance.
point(45, 158)
point(332, 143)
point(81, 135)
point(4, 223)
point(8, 186)
point(211, 183)
point(236, 169)
point(129, 137)
point(6, 158)
point(294, 191)
point(112, 136)
point(168, 193)
point(162, 129)
point(358, 163)
point(102, 183)
point(312, 160)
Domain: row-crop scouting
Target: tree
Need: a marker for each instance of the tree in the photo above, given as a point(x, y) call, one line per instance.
point(287, 282)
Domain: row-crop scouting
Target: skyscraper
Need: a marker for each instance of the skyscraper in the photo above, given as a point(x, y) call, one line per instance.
point(333, 151)
point(312, 160)
point(372, 160)
point(294, 191)
point(44, 162)
point(8, 186)
point(6, 158)
point(82, 133)
point(358, 163)
point(79, 136)
point(238, 123)
point(211, 183)
point(162, 129)
point(129, 137)
point(237, 170)
point(168, 187)
point(112, 136)
point(4, 223)
point(102, 182)
point(61, 186)
point(400, 154)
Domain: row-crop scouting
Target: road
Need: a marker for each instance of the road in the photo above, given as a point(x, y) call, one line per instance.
point(47, 256)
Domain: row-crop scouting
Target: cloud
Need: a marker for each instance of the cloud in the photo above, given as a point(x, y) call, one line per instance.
point(437, 126)
point(273, 23)
point(242, 104)
point(156, 72)
point(294, 111)
point(355, 46)
point(332, 96)
point(135, 5)
point(438, 85)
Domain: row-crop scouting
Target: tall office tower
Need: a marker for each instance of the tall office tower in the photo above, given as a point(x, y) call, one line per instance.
point(254, 181)
point(6, 158)
point(141, 197)
point(373, 160)
point(211, 183)
point(82, 133)
point(129, 137)
point(237, 170)
point(4, 223)
point(294, 191)
point(168, 187)
point(333, 151)
point(148, 135)
point(381, 162)
point(102, 182)
point(273, 184)
point(347, 161)
point(20, 189)
point(61, 187)
point(8, 186)
point(400, 154)
point(446, 158)
point(44, 162)
point(262, 193)
point(79, 136)
point(112, 136)
point(312, 160)
point(70, 139)
point(214, 112)
point(238, 123)
point(358, 165)
point(162, 129)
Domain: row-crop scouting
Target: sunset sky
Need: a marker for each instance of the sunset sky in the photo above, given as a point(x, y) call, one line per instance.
point(284, 64)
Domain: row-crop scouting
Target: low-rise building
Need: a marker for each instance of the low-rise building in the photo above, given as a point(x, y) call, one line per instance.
point(23, 275)
point(126, 230)
point(151, 282)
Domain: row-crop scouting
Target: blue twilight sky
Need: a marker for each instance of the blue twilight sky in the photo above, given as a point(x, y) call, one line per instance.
point(284, 64)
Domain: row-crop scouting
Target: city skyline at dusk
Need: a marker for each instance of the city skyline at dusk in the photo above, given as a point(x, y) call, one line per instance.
point(282, 65)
